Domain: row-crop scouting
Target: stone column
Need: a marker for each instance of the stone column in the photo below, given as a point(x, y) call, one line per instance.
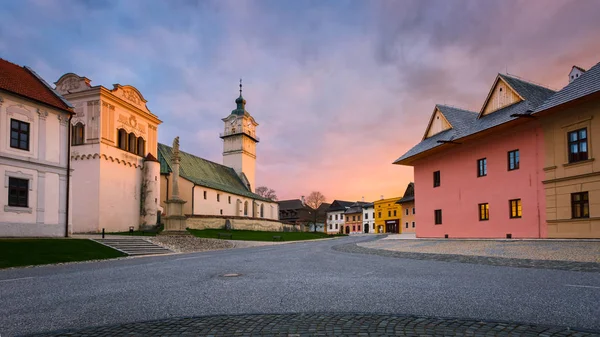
point(175, 221)
point(42, 134)
point(175, 162)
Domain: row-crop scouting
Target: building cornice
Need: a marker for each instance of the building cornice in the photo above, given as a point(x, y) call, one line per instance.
point(579, 176)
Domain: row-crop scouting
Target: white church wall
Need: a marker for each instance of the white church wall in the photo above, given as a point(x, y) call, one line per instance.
point(120, 195)
point(85, 181)
point(52, 139)
point(51, 201)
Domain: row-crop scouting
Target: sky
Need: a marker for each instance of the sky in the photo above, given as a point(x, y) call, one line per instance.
point(340, 89)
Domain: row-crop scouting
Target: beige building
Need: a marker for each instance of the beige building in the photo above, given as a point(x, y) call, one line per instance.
point(113, 156)
point(408, 209)
point(571, 122)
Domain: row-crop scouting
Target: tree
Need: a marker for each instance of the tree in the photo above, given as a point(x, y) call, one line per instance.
point(314, 201)
point(266, 192)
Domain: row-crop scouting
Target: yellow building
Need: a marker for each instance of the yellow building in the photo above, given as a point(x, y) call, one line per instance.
point(570, 121)
point(388, 215)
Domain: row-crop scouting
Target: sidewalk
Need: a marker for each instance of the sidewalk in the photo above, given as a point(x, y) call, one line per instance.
point(567, 250)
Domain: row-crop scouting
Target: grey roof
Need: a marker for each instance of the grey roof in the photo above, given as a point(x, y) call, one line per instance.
point(368, 205)
point(290, 204)
point(588, 83)
point(465, 123)
point(355, 208)
point(205, 173)
point(409, 194)
point(339, 205)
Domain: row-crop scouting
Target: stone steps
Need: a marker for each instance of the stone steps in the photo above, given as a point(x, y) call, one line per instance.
point(133, 246)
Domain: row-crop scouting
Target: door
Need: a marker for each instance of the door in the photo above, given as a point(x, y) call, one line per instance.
point(347, 229)
point(366, 226)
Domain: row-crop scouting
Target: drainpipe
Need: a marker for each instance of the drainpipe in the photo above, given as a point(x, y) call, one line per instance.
point(167, 177)
point(68, 175)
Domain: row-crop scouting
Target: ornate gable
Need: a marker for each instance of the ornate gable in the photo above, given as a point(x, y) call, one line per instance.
point(70, 83)
point(130, 95)
point(501, 95)
point(437, 124)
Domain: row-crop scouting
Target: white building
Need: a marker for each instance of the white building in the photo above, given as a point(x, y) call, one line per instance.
point(214, 190)
point(33, 155)
point(369, 218)
point(113, 156)
point(335, 215)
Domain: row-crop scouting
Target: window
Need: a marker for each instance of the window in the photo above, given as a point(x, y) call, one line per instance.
point(436, 178)
point(330, 226)
point(77, 132)
point(354, 218)
point(580, 205)
point(245, 207)
point(336, 226)
point(359, 228)
point(513, 160)
point(359, 220)
point(229, 199)
point(366, 216)
point(394, 212)
point(413, 224)
point(484, 212)
point(407, 211)
point(122, 139)
point(515, 208)
point(438, 216)
point(204, 195)
point(482, 167)
point(218, 197)
point(354, 228)
point(262, 210)
point(18, 192)
point(578, 150)
point(379, 214)
point(141, 144)
point(329, 216)
point(19, 135)
point(389, 214)
point(406, 224)
point(413, 210)
point(132, 143)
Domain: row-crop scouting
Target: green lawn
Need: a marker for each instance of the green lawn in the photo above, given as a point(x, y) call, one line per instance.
point(27, 252)
point(258, 235)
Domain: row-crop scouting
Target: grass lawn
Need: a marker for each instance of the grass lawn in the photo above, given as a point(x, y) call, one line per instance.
point(258, 235)
point(27, 252)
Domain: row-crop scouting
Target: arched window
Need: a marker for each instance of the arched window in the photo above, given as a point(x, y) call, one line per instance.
point(122, 140)
point(262, 210)
point(132, 141)
point(77, 134)
point(141, 144)
point(245, 208)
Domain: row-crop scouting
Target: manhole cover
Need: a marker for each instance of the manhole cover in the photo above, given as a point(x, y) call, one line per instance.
point(232, 275)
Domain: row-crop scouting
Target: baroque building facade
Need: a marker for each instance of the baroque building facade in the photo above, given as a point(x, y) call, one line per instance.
point(113, 152)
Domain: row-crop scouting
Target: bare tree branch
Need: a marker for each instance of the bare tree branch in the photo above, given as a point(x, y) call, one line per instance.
point(266, 192)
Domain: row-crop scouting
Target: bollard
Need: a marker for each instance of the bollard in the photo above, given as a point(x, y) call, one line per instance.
point(103, 233)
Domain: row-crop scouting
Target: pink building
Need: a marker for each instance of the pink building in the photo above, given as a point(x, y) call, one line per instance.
point(479, 174)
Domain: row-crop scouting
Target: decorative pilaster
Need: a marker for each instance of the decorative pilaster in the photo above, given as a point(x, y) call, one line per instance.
point(41, 197)
point(63, 134)
point(42, 134)
point(62, 198)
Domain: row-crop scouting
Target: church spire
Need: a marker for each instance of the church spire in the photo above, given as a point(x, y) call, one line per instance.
point(241, 103)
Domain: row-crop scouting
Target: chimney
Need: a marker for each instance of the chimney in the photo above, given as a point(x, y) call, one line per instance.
point(382, 197)
point(363, 199)
point(302, 200)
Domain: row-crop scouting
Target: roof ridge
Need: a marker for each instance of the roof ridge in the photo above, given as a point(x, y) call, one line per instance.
point(518, 78)
point(193, 155)
point(54, 92)
point(455, 107)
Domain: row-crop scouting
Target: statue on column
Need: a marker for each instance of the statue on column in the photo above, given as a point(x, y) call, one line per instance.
point(175, 162)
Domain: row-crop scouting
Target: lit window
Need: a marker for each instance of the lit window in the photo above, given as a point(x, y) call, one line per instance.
point(77, 133)
point(515, 208)
point(580, 205)
point(484, 212)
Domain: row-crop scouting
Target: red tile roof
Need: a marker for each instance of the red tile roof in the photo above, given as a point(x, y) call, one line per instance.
point(24, 82)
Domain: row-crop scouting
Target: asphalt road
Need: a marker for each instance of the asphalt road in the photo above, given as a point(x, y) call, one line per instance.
point(289, 278)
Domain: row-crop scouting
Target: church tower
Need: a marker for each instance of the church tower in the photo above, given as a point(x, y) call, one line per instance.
point(239, 142)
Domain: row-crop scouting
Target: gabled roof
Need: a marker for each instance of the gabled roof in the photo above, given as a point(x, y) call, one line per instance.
point(409, 194)
point(205, 173)
point(466, 123)
point(285, 205)
point(527, 91)
point(578, 67)
point(588, 83)
point(339, 205)
point(355, 207)
point(23, 81)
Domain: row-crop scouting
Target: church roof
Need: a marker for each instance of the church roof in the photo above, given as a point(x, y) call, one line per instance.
point(205, 173)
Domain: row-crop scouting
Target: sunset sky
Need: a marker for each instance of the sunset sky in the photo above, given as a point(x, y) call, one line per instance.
point(340, 89)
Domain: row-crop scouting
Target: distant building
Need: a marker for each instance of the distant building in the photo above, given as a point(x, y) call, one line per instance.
point(368, 218)
point(408, 209)
point(297, 213)
point(335, 216)
point(521, 167)
point(388, 215)
point(353, 222)
point(34, 162)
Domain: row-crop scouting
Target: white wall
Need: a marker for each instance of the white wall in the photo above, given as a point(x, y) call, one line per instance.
point(41, 165)
point(335, 224)
point(369, 219)
point(86, 188)
point(211, 206)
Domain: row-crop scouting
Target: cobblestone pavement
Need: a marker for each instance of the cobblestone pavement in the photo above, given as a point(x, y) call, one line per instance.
point(439, 251)
point(322, 324)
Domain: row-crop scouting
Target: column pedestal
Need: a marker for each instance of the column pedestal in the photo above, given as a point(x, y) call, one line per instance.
point(175, 220)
